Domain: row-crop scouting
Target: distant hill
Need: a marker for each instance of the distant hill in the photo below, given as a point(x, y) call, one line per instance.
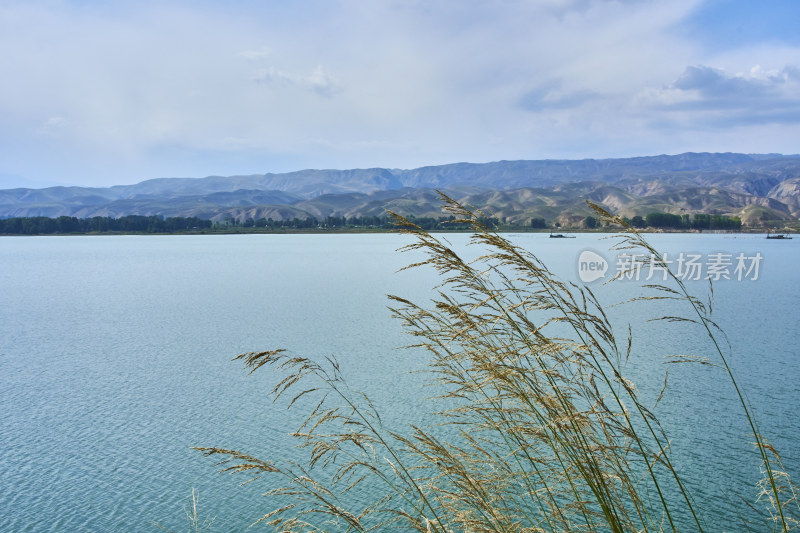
point(761, 188)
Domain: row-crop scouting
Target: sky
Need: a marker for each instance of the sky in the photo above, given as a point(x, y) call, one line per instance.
point(100, 93)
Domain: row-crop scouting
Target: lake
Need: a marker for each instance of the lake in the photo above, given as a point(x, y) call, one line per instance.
point(115, 359)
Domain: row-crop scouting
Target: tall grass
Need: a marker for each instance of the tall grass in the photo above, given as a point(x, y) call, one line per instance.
point(539, 429)
point(194, 522)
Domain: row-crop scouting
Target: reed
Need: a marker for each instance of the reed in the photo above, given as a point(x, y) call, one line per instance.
point(195, 523)
point(539, 429)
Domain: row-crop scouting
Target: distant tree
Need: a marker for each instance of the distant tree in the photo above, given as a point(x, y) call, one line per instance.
point(664, 220)
point(590, 222)
point(638, 222)
point(725, 222)
point(66, 224)
point(538, 223)
point(489, 222)
point(701, 221)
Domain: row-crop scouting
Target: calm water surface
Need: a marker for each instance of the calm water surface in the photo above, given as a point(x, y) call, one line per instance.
point(115, 359)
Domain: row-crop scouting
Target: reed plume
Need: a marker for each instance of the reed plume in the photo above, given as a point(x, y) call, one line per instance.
point(539, 429)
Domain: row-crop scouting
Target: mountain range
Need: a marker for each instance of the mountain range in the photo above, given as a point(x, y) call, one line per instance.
point(762, 189)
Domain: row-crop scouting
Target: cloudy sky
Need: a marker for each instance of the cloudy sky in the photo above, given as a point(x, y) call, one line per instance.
point(97, 92)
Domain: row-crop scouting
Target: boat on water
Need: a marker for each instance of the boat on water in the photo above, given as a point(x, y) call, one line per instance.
point(560, 236)
point(780, 236)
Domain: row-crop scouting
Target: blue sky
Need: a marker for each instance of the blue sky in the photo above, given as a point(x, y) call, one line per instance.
point(101, 93)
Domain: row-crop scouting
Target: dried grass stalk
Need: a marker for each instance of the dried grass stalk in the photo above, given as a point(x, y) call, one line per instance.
point(542, 430)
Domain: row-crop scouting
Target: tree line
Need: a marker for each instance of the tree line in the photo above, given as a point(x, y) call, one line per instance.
point(126, 224)
point(157, 224)
point(697, 221)
point(358, 222)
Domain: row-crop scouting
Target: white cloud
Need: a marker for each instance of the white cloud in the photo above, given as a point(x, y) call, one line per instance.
point(255, 55)
point(272, 75)
point(323, 83)
point(147, 90)
point(319, 80)
point(711, 97)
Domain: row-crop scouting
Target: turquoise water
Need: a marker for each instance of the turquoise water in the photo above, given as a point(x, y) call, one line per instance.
point(115, 359)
